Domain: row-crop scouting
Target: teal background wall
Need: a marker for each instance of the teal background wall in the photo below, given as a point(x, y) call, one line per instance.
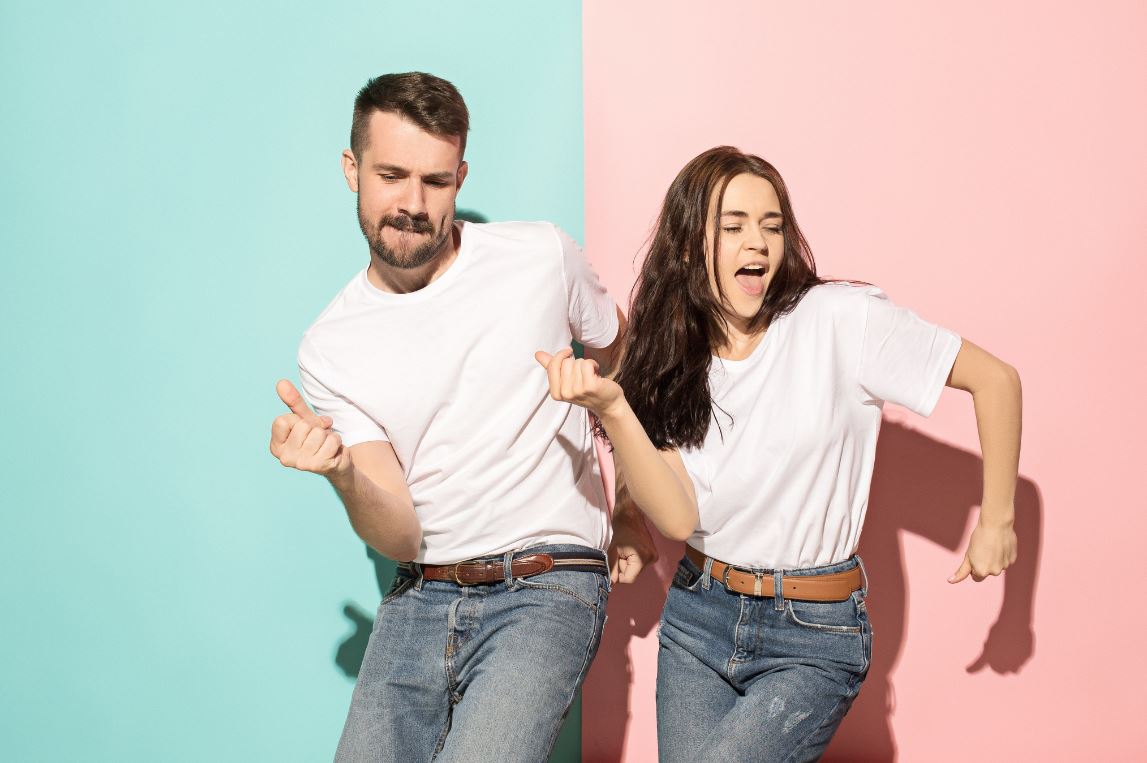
point(173, 217)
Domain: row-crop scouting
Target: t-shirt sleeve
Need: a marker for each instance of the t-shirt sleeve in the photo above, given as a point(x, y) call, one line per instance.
point(592, 312)
point(904, 359)
point(351, 422)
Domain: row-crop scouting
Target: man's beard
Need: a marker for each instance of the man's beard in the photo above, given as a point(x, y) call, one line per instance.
point(413, 258)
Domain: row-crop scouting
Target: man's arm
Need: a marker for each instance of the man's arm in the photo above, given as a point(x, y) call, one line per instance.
point(367, 477)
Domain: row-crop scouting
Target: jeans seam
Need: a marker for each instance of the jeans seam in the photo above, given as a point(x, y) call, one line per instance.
point(733, 661)
point(451, 645)
point(403, 588)
point(866, 649)
point(561, 589)
point(594, 635)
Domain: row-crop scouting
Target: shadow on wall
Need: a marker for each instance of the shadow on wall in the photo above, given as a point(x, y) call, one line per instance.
point(920, 486)
point(470, 216)
point(349, 655)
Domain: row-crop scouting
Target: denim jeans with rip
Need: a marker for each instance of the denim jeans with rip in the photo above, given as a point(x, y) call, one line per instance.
point(756, 678)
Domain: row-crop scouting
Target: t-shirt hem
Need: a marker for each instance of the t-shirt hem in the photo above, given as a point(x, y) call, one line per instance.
point(942, 370)
point(608, 336)
point(351, 439)
point(446, 556)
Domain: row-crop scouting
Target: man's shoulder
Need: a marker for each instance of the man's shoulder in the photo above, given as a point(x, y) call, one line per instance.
point(515, 233)
point(346, 305)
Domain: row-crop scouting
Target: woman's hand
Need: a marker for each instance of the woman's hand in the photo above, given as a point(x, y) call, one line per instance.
point(632, 548)
point(577, 381)
point(991, 549)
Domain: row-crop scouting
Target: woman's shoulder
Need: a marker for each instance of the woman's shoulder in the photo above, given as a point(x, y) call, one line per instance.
point(840, 297)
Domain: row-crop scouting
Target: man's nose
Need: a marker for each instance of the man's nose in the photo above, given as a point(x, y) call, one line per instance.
point(413, 200)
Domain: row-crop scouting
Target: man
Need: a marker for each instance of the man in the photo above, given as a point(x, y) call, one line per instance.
point(433, 423)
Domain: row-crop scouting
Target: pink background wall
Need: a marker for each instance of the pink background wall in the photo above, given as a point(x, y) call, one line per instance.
point(986, 164)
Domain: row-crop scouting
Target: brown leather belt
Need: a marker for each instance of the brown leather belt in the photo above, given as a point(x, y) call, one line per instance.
point(483, 571)
point(835, 586)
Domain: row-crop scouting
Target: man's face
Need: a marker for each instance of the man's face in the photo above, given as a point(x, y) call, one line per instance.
point(406, 181)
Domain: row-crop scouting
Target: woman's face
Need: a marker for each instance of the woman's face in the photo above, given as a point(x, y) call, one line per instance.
point(751, 245)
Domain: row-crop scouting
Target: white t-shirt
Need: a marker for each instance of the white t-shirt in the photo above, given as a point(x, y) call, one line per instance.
point(785, 483)
point(447, 375)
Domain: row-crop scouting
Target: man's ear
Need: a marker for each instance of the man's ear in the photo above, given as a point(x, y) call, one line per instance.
point(463, 170)
point(350, 170)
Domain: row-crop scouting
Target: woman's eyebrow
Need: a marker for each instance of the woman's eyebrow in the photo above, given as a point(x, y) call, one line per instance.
point(739, 213)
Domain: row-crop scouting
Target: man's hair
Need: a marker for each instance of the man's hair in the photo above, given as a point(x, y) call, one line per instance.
point(430, 102)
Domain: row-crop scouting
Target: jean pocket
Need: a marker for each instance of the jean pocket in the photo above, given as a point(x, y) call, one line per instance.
point(588, 588)
point(687, 577)
point(825, 616)
point(400, 585)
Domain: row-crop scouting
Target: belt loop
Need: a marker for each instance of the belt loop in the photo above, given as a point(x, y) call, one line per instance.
point(863, 577)
point(707, 573)
point(418, 572)
point(778, 590)
point(508, 568)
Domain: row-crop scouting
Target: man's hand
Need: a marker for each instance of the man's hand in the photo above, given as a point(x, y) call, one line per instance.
point(632, 548)
point(990, 550)
point(577, 381)
point(303, 440)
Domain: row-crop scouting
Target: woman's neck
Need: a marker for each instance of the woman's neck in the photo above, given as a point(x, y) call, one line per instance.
point(739, 342)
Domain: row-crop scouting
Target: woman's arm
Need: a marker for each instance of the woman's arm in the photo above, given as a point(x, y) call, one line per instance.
point(996, 395)
point(632, 548)
point(657, 480)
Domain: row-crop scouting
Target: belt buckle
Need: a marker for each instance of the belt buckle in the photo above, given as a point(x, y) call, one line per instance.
point(460, 565)
point(725, 576)
point(757, 578)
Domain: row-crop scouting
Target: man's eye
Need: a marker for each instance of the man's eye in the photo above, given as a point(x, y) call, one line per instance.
point(389, 178)
point(436, 183)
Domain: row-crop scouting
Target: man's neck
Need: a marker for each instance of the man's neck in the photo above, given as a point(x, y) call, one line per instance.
point(404, 281)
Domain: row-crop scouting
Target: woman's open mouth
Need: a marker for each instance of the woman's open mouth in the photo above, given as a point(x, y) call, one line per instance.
point(751, 279)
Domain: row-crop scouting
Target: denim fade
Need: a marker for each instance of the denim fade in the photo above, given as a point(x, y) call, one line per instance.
point(483, 672)
point(755, 678)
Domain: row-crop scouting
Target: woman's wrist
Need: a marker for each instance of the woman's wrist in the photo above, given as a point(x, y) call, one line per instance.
point(997, 515)
point(615, 411)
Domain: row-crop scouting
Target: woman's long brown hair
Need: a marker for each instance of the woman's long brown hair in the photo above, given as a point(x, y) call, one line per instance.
point(675, 321)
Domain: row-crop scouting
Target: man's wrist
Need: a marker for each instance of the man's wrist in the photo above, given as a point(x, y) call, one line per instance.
point(343, 479)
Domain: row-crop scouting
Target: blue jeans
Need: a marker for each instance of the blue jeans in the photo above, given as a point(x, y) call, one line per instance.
point(753, 678)
point(484, 672)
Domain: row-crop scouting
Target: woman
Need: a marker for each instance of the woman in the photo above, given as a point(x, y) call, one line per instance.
point(744, 419)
